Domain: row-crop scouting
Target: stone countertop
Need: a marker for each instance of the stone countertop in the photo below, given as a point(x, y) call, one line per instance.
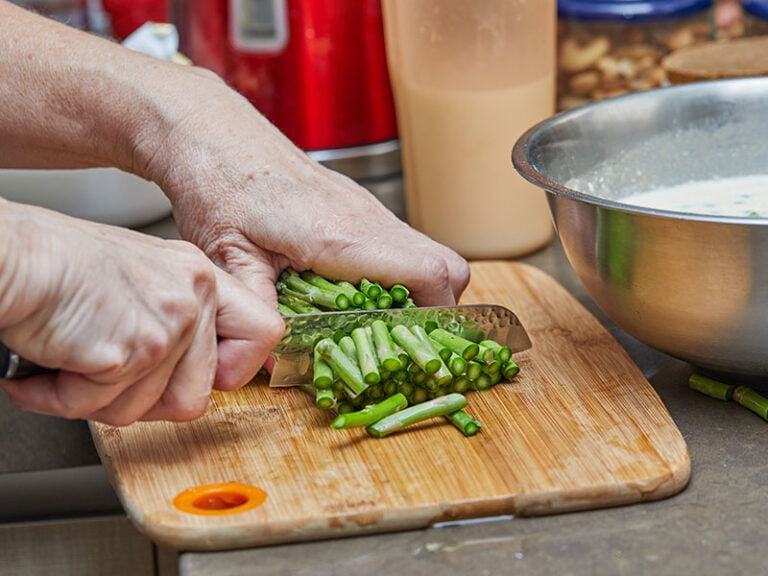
point(715, 526)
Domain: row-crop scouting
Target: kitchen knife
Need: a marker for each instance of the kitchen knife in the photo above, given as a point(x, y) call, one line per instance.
point(293, 356)
point(13, 366)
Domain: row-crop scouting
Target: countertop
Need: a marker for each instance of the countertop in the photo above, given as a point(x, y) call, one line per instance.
point(715, 526)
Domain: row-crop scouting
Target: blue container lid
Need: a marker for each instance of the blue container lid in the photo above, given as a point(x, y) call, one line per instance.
point(757, 8)
point(620, 10)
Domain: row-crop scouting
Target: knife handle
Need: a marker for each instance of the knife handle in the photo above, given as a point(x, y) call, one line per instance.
point(13, 366)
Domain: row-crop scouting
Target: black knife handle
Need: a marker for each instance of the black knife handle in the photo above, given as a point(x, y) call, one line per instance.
point(13, 366)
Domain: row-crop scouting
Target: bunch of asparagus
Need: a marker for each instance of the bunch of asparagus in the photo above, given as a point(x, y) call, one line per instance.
point(307, 292)
point(384, 377)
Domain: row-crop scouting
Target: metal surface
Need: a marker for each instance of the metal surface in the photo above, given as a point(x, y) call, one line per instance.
point(293, 355)
point(689, 285)
point(13, 366)
point(374, 161)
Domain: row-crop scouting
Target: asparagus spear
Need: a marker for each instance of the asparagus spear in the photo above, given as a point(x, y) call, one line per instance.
point(503, 353)
point(399, 294)
point(322, 374)
point(366, 357)
point(371, 413)
point(464, 422)
point(318, 296)
point(751, 400)
point(370, 289)
point(461, 346)
point(296, 302)
point(510, 369)
point(324, 398)
point(354, 295)
point(417, 413)
point(421, 353)
point(711, 387)
point(342, 365)
point(284, 309)
point(384, 301)
point(385, 346)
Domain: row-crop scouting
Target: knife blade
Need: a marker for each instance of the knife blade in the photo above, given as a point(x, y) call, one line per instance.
point(293, 356)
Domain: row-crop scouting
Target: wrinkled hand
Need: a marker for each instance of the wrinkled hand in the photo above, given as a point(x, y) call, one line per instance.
point(140, 328)
point(256, 204)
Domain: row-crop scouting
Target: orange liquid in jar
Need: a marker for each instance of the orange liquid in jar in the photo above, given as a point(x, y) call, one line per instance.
point(468, 79)
point(463, 190)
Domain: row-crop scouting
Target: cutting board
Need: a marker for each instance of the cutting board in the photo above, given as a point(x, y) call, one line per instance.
point(579, 428)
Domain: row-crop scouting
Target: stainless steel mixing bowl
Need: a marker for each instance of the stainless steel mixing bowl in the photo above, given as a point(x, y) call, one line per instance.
point(692, 286)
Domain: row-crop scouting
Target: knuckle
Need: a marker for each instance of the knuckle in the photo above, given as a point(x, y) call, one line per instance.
point(436, 268)
point(190, 410)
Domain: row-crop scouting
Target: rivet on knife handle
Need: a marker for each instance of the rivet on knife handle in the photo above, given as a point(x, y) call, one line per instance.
point(13, 366)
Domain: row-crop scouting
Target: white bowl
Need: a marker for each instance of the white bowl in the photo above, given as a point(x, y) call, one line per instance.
point(105, 195)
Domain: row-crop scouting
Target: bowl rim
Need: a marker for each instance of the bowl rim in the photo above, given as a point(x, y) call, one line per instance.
point(522, 146)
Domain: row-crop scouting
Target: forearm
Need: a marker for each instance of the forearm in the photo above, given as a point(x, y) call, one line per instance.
point(71, 99)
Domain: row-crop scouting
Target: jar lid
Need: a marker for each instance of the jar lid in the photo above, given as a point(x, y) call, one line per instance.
point(757, 8)
point(618, 10)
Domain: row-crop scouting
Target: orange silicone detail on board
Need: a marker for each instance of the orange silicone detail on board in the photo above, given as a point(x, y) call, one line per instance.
point(221, 498)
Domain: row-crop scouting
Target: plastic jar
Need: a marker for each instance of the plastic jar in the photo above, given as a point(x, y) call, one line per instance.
point(611, 47)
point(755, 17)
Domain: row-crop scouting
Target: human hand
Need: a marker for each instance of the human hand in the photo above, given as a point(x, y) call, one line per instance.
point(139, 328)
point(256, 204)
point(240, 189)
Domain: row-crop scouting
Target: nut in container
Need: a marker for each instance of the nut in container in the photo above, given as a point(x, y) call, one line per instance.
point(611, 47)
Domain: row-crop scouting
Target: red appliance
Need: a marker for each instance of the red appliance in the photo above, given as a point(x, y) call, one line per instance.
point(316, 68)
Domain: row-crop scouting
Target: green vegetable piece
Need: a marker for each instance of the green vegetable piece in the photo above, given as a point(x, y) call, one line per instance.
point(331, 300)
point(371, 413)
point(461, 346)
point(389, 387)
point(345, 408)
point(322, 374)
point(399, 294)
point(461, 385)
point(711, 387)
point(406, 388)
point(420, 352)
point(370, 305)
point(474, 370)
point(296, 302)
point(355, 295)
point(347, 344)
point(503, 353)
point(751, 400)
point(370, 289)
point(510, 369)
point(374, 393)
point(366, 356)
point(464, 422)
point(420, 395)
point(325, 399)
point(344, 366)
point(442, 350)
point(456, 364)
point(386, 351)
point(384, 301)
point(417, 413)
point(356, 298)
point(284, 309)
point(483, 382)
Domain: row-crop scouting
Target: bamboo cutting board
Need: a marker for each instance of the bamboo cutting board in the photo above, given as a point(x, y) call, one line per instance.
point(579, 428)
